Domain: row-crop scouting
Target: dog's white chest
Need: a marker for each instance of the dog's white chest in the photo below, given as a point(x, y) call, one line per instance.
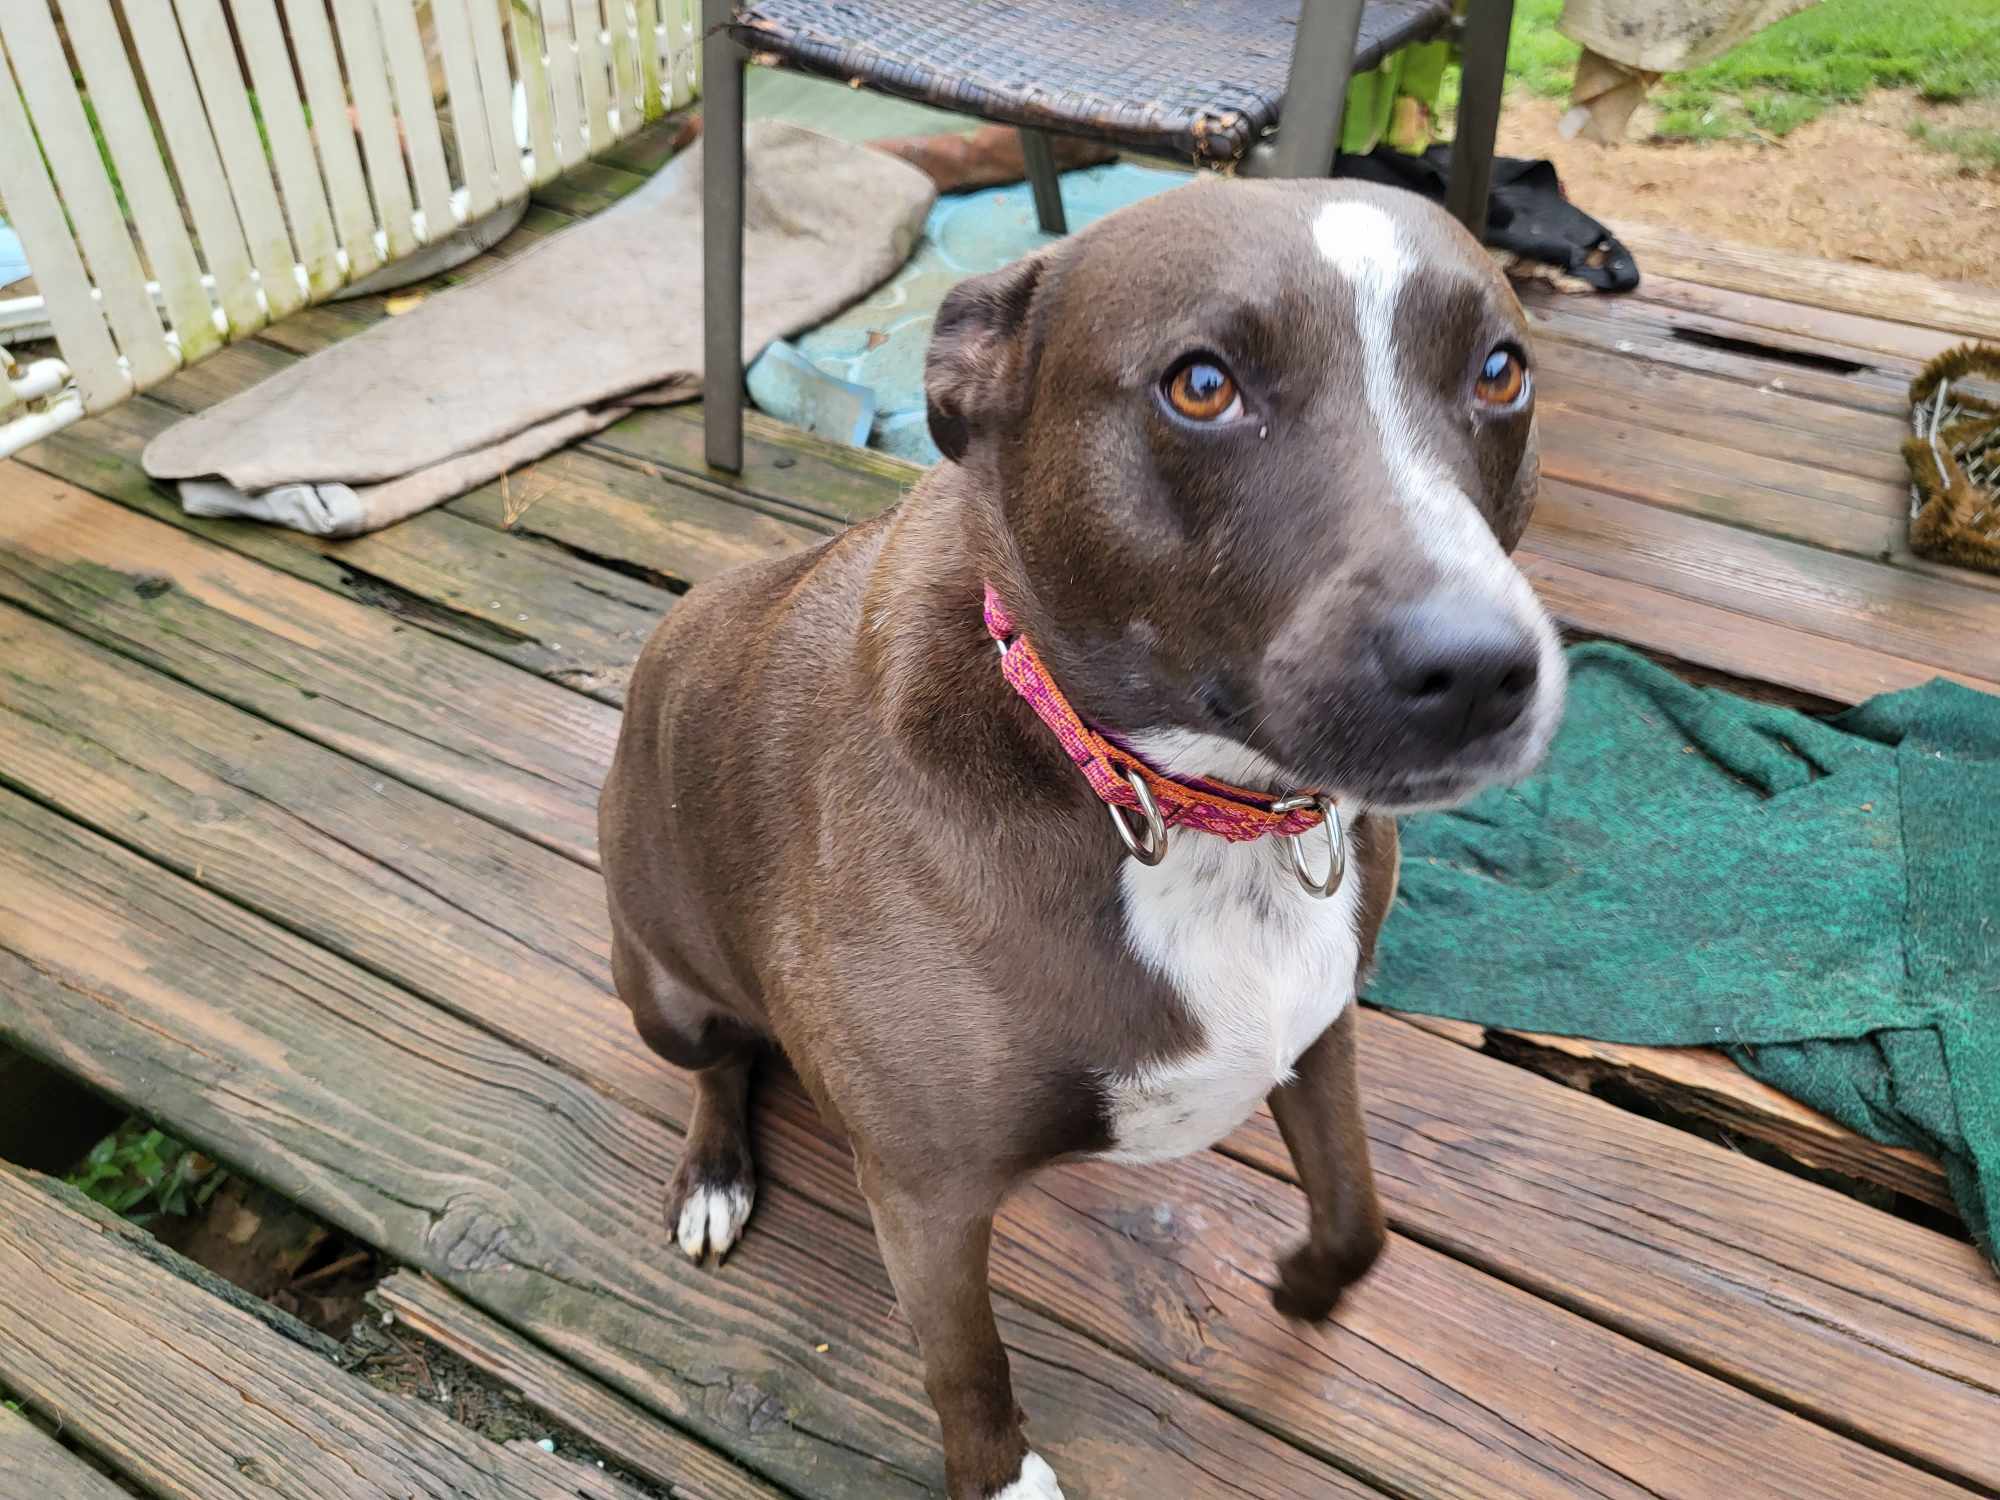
point(1263, 966)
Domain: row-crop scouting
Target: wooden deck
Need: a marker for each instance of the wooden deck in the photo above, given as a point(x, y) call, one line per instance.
point(296, 857)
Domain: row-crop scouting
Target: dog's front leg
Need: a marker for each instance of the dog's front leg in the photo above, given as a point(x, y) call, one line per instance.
point(935, 1244)
point(1319, 1112)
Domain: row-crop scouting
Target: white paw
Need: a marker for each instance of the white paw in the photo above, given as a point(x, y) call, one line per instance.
point(1037, 1482)
point(712, 1219)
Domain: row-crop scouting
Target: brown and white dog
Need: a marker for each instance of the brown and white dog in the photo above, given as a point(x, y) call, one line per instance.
point(1244, 463)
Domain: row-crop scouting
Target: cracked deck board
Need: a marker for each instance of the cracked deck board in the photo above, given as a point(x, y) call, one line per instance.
point(1880, 296)
point(537, 1197)
point(1744, 360)
point(354, 677)
point(195, 1397)
point(636, 1440)
point(1764, 415)
point(1140, 1261)
point(35, 1466)
point(1891, 343)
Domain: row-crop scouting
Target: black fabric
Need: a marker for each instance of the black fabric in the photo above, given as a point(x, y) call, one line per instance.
point(1526, 212)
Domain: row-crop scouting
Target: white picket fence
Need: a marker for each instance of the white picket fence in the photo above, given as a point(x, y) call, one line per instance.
point(261, 165)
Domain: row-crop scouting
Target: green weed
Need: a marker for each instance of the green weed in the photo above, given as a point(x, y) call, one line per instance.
point(1977, 149)
point(142, 1172)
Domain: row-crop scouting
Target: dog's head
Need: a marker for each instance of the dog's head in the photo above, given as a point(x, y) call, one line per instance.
point(1259, 452)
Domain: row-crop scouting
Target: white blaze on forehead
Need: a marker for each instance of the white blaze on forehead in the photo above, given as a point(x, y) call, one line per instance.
point(1362, 242)
point(1360, 239)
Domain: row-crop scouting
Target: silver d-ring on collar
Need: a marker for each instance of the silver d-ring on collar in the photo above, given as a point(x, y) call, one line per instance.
point(1336, 840)
point(1153, 847)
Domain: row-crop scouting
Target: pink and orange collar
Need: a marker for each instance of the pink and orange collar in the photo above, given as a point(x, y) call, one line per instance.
point(1122, 779)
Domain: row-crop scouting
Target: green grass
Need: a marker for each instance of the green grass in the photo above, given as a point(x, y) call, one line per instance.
point(1976, 148)
point(1540, 59)
point(1832, 53)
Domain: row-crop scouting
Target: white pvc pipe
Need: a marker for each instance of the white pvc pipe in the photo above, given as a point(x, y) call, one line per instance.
point(32, 428)
point(43, 377)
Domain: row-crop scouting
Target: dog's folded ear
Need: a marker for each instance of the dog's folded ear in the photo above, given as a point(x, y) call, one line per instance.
point(977, 371)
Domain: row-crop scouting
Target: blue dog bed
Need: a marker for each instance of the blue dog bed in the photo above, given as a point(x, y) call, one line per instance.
point(879, 343)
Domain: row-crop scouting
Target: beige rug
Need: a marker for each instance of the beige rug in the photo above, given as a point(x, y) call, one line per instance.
point(560, 342)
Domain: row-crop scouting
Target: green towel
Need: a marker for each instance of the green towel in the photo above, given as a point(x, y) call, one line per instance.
point(1822, 900)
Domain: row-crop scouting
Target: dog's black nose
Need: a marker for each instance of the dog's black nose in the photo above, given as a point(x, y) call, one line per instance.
point(1457, 670)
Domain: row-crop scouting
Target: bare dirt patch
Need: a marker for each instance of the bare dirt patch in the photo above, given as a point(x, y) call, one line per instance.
point(1851, 185)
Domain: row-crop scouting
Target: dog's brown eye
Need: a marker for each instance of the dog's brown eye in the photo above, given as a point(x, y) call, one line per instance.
point(1501, 379)
point(1202, 391)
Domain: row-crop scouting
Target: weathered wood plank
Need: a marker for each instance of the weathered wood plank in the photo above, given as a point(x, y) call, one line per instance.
point(498, 929)
point(1926, 1298)
point(1760, 487)
point(198, 1399)
point(1753, 419)
point(537, 1197)
point(337, 866)
point(34, 1466)
point(645, 151)
point(1701, 1083)
point(1769, 496)
point(527, 602)
point(1944, 625)
point(791, 471)
point(507, 938)
point(588, 188)
point(569, 1479)
point(633, 513)
point(1733, 641)
point(638, 1441)
point(1867, 291)
point(353, 677)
